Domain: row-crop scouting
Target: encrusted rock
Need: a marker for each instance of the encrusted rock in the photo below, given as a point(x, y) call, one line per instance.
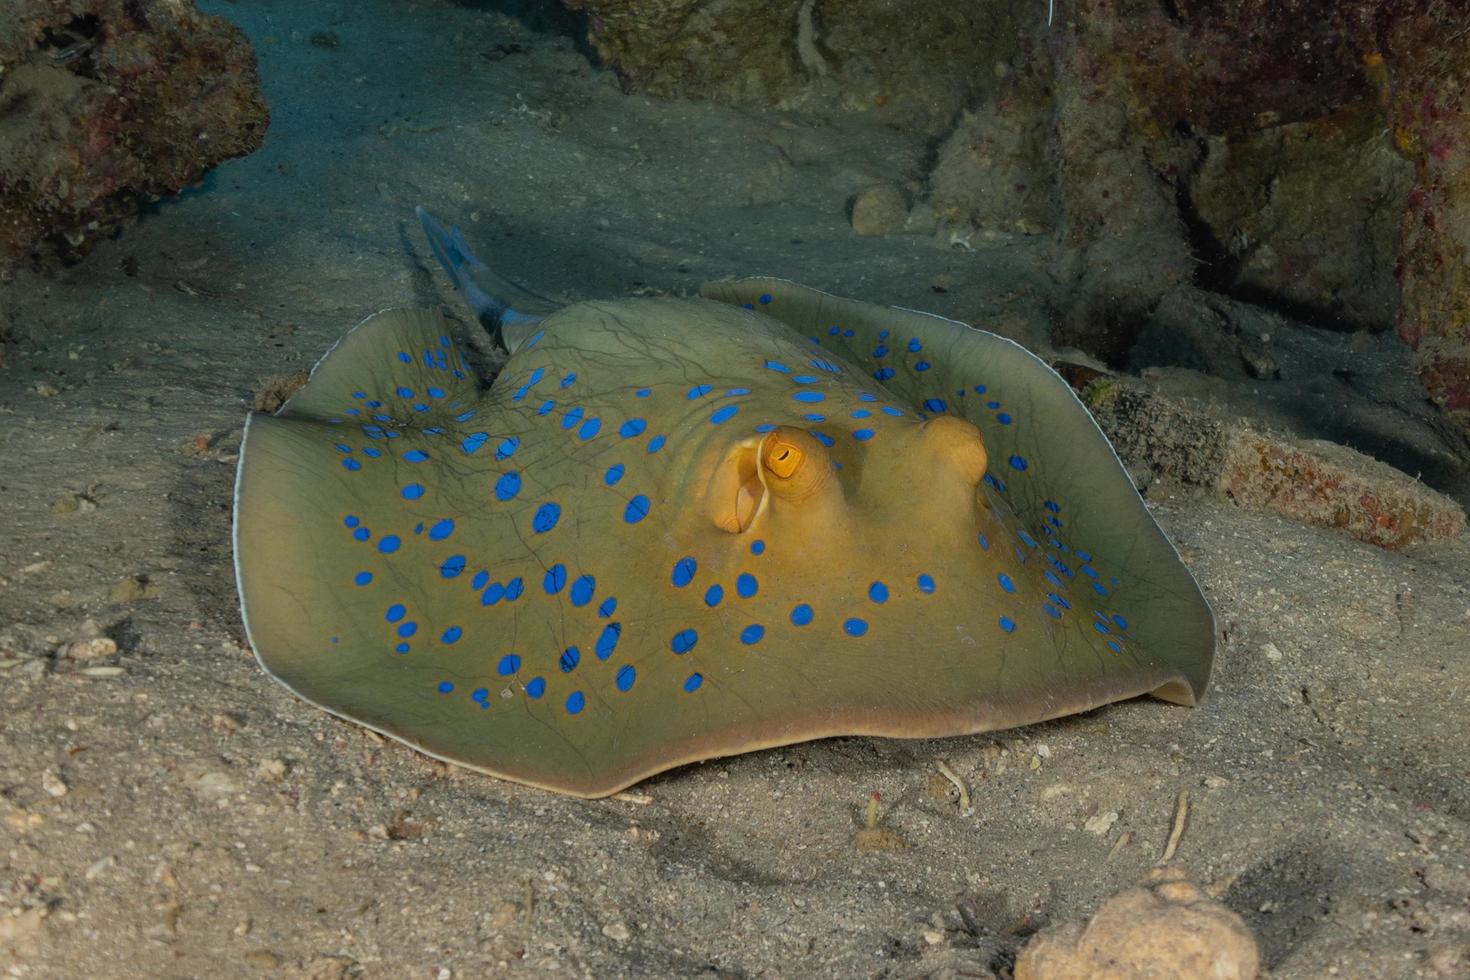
point(879, 210)
point(1166, 927)
point(108, 104)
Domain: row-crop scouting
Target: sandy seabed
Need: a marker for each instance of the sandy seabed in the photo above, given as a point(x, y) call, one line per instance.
point(169, 811)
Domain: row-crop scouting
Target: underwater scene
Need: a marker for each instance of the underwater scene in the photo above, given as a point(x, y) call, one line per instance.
point(734, 488)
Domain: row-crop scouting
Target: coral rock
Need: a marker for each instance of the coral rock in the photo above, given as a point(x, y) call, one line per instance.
point(107, 104)
point(1165, 927)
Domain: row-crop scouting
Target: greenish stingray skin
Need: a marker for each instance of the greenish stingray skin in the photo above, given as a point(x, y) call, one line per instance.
point(671, 530)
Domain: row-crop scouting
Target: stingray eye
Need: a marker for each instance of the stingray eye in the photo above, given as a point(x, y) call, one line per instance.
point(782, 459)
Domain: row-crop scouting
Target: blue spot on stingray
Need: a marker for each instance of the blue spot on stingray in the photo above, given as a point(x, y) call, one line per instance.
point(507, 486)
point(351, 464)
point(1100, 627)
point(436, 392)
point(362, 578)
point(814, 417)
point(883, 374)
point(1059, 600)
point(934, 405)
point(412, 492)
point(636, 510)
point(984, 542)
point(880, 351)
point(1026, 539)
point(915, 346)
point(1051, 610)
point(723, 414)
point(569, 380)
point(403, 392)
point(752, 634)
point(507, 448)
point(607, 642)
point(569, 659)
point(576, 701)
point(589, 428)
point(1006, 623)
point(555, 579)
point(342, 447)
point(921, 366)
point(736, 391)
point(582, 590)
point(445, 687)
point(480, 695)
point(778, 366)
point(698, 391)
point(389, 544)
point(452, 566)
point(572, 417)
point(606, 609)
point(765, 298)
point(395, 612)
point(492, 595)
point(642, 393)
point(656, 443)
point(370, 451)
point(408, 629)
point(1113, 646)
point(809, 396)
point(683, 641)
point(1005, 582)
point(692, 683)
point(451, 635)
point(631, 428)
point(746, 585)
point(509, 664)
point(713, 595)
point(801, 614)
point(765, 427)
point(860, 413)
point(855, 626)
point(465, 416)
point(926, 584)
point(362, 534)
point(415, 456)
point(441, 529)
point(625, 677)
point(545, 407)
point(757, 547)
point(1018, 463)
point(878, 592)
point(1052, 578)
point(684, 570)
point(1120, 621)
point(890, 410)
point(536, 687)
point(546, 517)
point(514, 588)
point(863, 435)
point(472, 442)
point(478, 582)
point(613, 475)
point(804, 379)
point(1052, 506)
point(824, 439)
point(1003, 418)
point(400, 648)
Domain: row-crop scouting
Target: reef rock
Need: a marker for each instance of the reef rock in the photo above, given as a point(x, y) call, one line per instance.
point(1166, 927)
point(108, 104)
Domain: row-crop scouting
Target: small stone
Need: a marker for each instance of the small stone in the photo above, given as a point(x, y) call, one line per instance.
point(1102, 823)
point(102, 671)
point(72, 503)
point(271, 770)
point(46, 389)
point(243, 927)
point(617, 932)
point(214, 786)
point(879, 210)
point(95, 648)
point(98, 867)
point(932, 936)
point(263, 959)
point(224, 724)
point(1215, 782)
point(134, 588)
point(1270, 652)
point(53, 784)
point(1044, 751)
point(1441, 878)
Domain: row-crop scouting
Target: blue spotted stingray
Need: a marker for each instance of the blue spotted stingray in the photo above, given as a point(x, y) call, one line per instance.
point(674, 529)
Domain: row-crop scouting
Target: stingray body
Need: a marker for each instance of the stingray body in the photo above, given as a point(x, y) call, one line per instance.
point(670, 530)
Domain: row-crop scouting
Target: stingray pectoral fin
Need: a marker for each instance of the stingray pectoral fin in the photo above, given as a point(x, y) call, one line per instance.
point(1048, 462)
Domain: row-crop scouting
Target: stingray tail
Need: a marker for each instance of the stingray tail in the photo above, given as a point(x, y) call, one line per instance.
point(507, 324)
